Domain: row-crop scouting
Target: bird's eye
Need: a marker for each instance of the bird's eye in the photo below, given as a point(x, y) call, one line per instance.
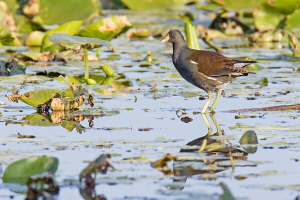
point(173, 34)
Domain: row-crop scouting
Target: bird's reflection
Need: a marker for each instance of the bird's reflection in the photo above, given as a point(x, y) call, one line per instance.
point(214, 152)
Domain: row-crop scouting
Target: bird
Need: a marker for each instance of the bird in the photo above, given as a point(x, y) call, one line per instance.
point(204, 69)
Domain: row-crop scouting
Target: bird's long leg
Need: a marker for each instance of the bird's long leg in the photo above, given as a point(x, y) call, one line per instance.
point(207, 102)
point(219, 93)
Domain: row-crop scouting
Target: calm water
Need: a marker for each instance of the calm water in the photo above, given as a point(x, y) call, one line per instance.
point(128, 110)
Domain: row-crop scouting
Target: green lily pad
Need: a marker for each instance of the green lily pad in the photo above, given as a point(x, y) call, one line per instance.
point(36, 98)
point(8, 38)
point(152, 5)
point(247, 140)
point(249, 137)
point(62, 11)
point(285, 6)
point(70, 28)
point(107, 28)
point(34, 38)
point(238, 6)
point(57, 100)
point(74, 42)
point(268, 17)
point(293, 23)
point(274, 35)
point(21, 170)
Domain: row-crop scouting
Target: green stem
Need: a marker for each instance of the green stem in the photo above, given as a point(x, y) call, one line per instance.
point(191, 35)
point(98, 52)
point(86, 63)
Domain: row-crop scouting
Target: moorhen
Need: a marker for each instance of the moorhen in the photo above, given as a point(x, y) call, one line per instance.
point(207, 70)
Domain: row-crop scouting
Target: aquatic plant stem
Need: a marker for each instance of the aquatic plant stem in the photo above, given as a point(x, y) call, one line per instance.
point(86, 62)
point(191, 35)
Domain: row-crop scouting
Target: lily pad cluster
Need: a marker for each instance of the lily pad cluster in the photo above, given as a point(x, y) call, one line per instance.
point(57, 100)
point(266, 15)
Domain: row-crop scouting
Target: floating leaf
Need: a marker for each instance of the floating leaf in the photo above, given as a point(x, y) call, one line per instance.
point(267, 17)
point(35, 98)
point(8, 38)
point(263, 81)
point(153, 4)
point(56, 99)
point(250, 138)
point(286, 7)
point(21, 170)
point(70, 28)
point(138, 33)
point(62, 11)
point(293, 23)
point(73, 42)
point(35, 39)
point(273, 35)
point(107, 28)
point(238, 6)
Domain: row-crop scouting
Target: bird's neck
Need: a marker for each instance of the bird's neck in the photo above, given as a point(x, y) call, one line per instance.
point(177, 49)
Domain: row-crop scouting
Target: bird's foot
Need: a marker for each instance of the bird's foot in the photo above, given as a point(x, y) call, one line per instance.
point(211, 112)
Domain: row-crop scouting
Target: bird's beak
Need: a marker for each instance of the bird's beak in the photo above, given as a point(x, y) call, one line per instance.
point(166, 39)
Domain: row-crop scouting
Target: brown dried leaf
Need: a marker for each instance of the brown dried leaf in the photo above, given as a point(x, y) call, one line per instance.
point(25, 136)
point(101, 165)
point(32, 8)
point(271, 108)
point(162, 164)
point(45, 57)
point(7, 20)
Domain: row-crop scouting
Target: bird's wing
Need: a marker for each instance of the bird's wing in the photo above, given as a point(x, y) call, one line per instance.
point(213, 64)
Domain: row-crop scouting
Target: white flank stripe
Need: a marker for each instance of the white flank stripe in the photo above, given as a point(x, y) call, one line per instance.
point(241, 64)
point(193, 62)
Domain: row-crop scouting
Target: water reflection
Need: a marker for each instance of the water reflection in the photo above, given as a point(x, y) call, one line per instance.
point(67, 120)
point(208, 155)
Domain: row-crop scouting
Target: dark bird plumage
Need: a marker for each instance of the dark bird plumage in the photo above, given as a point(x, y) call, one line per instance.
point(207, 70)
